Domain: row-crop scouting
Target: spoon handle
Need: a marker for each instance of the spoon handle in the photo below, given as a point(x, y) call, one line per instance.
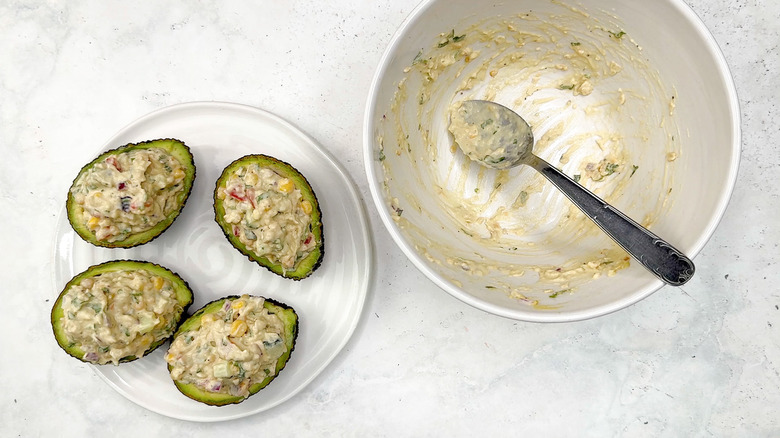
point(657, 255)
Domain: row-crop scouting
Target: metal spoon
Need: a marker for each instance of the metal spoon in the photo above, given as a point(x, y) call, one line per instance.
point(497, 137)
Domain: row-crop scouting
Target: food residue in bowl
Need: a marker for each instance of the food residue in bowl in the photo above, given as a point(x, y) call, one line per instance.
point(598, 110)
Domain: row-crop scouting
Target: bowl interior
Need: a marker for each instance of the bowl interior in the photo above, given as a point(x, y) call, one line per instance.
point(634, 99)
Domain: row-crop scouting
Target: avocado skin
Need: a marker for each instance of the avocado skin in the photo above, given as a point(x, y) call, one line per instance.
point(183, 292)
point(291, 324)
point(177, 148)
point(314, 260)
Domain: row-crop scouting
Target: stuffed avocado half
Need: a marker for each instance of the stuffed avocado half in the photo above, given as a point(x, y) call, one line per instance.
point(269, 212)
point(119, 311)
point(129, 195)
point(232, 348)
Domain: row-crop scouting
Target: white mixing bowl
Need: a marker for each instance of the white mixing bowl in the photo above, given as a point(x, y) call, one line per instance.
point(632, 98)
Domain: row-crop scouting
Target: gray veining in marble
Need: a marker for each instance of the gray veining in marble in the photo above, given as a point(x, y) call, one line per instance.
point(700, 360)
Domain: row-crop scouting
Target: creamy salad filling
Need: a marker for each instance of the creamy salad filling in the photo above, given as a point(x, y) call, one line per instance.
point(119, 314)
point(129, 193)
point(233, 349)
point(268, 214)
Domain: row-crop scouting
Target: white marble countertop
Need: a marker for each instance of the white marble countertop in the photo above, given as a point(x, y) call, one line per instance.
point(701, 360)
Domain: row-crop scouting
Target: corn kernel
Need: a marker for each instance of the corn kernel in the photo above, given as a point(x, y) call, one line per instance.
point(178, 173)
point(251, 179)
point(158, 283)
point(169, 357)
point(208, 318)
point(93, 223)
point(306, 206)
point(238, 328)
point(237, 304)
point(286, 186)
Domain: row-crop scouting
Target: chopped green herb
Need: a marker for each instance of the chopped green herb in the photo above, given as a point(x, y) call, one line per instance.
point(523, 197)
point(418, 59)
point(493, 160)
point(486, 123)
point(555, 294)
point(566, 87)
point(490, 287)
point(575, 43)
point(382, 156)
point(577, 177)
point(610, 168)
point(617, 35)
point(451, 37)
point(476, 190)
point(633, 170)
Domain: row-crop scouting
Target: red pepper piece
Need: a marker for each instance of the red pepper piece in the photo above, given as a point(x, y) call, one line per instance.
point(112, 161)
point(234, 195)
point(244, 198)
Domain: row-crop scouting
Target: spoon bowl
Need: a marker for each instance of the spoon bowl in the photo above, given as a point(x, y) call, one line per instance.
point(491, 134)
point(497, 137)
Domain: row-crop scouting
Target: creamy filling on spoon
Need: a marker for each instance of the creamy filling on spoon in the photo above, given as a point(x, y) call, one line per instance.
point(490, 133)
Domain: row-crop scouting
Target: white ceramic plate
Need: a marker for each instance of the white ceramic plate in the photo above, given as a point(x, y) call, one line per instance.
point(329, 303)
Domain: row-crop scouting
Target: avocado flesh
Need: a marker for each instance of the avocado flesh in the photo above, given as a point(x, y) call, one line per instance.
point(174, 147)
point(288, 317)
point(183, 296)
point(303, 267)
